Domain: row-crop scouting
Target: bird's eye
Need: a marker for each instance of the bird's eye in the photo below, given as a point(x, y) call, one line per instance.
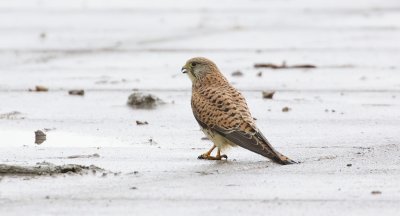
point(193, 64)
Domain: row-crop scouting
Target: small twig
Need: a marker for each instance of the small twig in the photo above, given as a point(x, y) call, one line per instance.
point(282, 66)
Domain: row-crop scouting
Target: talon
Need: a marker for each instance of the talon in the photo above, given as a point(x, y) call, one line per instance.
point(202, 156)
point(207, 156)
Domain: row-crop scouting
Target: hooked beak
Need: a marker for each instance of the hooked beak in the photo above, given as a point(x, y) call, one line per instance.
point(184, 70)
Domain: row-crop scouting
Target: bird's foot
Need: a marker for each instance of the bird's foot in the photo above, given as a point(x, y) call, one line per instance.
point(209, 157)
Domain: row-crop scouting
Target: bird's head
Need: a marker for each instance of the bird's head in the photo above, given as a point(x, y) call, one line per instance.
point(198, 67)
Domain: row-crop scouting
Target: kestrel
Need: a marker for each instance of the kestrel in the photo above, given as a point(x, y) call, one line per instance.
point(222, 113)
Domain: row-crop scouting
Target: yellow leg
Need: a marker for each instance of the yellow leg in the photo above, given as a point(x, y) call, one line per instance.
point(207, 155)
point(211, 150)
point(219, 156)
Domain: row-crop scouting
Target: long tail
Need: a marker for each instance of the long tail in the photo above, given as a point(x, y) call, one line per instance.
point(256, 143)
point(268, 151)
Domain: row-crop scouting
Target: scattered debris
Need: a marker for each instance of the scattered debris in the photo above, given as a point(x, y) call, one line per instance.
point(286, 109)
point(341, 66)
point(332, 110)
point(79, 92)
point(268, 94)
point(95, 155)
point(205, 138)
point(39, 88)
point(101, 82)
point(349, 165)
point(376, 192)
point(137, 100)
point(133, 173)
point(328, 157)
point(45, 168)
point(152, 142)
point(105, 80)
point(204, 173)
point(11, 115)
point(267, 65)
point(141, 122)
point(40, 137)
point(48, 129)
point(259, 74)
point(303, 66)
point(43, 35)
point(282, 66)
point(237, 73)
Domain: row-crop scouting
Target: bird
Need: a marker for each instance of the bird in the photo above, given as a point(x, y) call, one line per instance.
point(223, 115)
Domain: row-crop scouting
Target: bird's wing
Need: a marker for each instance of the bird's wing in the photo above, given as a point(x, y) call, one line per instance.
point(224, 110)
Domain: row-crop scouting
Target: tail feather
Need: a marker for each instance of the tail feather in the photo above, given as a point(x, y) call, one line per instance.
point(256, 143)
point(269, 151)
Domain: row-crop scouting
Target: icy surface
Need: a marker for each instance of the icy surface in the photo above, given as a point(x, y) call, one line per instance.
point(344, 122)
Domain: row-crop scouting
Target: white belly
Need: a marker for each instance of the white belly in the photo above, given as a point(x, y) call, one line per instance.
point(218, 140)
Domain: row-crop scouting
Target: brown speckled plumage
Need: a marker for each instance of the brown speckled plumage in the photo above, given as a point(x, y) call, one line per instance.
point(222, 111)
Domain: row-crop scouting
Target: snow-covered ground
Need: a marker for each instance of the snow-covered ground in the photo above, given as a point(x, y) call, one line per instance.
point(344, 122)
